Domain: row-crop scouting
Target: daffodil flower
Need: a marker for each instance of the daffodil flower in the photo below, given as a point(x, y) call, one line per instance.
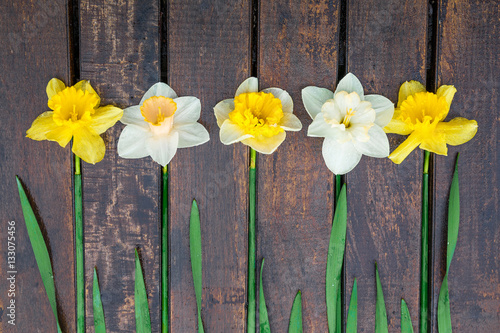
point(350, 121)
point(161, 123)
point(420, 115)
point(76, 114)
point(256, 119)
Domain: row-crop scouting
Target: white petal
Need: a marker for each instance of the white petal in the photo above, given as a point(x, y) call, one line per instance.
point(159, 89)
point(132, 116)
point(320, 128)
point(163, 148)
point(340, 158)
point(265, 145)
point(231, 133)
point(249, 85)
point(331, 111)
point(350, 83)
point(377, 146)
point(346, 101)
point(283, 96)
point(188, 110)
point(364, 114)
point(132, 142)
point(383, 107)
point(314, 98)
point(191, 135)
point(223, 109)
point(290, 122)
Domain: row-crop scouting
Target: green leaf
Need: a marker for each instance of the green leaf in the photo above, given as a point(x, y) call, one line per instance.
point(263, 317)
point(39, 249)
point(142, 319)
point(444, 313)
point(352, 315)
point(335, 258)
point(380, 312)
point(195, 248)
point(99, 324)
point(295, 325)
point(406, 326)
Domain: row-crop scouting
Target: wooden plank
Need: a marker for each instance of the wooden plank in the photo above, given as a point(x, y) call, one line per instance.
point(119, 55)
point(298, 47)
point(386, 46)
point(209, 57)
point(34, 41)
point(468, 59)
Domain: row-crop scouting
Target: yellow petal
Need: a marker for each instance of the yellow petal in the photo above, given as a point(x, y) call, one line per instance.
point(54, 86)
point(105, 117)
point(398, 127)
point(88, 145)
point(405, 148)
point(447, 92)
point(458, 130)
point(265, 145)
point(409, 88)
point(435, 144)
point(44, 128)
point(85, 86)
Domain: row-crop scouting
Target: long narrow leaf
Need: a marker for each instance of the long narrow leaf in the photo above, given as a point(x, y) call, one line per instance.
point(444, 313)
point(335, 258)
point(39, 249)
point(263, 317)
point(195, 248)
point(99, 324)
point(406, 326)
point(380, 311)
point(142, 319)
point(295, 325)
point(352, 315)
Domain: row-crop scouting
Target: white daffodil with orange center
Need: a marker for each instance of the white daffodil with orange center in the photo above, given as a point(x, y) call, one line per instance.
point(160, 124)
point(256, 119)
point(350, 121)
point(76, 114)
point(420, 115)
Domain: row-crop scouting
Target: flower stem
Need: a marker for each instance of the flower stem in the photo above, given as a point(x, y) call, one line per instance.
point(251, 244)
point(164, 250)
point(338, 316)
point(424, 269)
point(80, 277)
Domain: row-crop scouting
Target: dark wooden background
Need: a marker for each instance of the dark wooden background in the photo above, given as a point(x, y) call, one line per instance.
point(206, 48)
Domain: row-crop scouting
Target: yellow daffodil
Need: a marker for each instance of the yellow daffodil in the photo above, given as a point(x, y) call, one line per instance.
point(257, 119)
point(420, 115)
point(75, 114)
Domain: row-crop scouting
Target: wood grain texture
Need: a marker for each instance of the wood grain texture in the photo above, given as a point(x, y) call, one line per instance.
point(386, 46)
point(34, 50)
point(119, 55)
point(468, 59)
point(208, 58)
point(298, 48)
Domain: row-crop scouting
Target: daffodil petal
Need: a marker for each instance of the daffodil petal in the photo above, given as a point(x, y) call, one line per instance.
point(314, 98)
point(159, 89)
point(188, 110)
point(163, 148)
point(222, 110)
point(340, 157)
point(249, 85)
point(86, 86)
point(398, 127)
point(133, 116)
point(88, 145)
point(290, 122)
point(191, 135)
point(409, 88)
point(61, 134)
point(265, 145)
point(231, 133)
point(405, 148)
point(105, 117)
point(283, 96)
point(435, 144)
point(384, 109)
point(132, 142)
point(350, 83)
point(320, 128)
point(364, 114)
point(54, 87)
point(42, 125)
point(377, 146)
point(345, 101)
point(448, 92)
point(458, 130)
point(331, 110)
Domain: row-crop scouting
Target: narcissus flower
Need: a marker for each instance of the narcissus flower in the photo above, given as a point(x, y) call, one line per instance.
point(420, 115)
point(160, 124)
point(76, 114)
point(256, 119)
point(350, 121)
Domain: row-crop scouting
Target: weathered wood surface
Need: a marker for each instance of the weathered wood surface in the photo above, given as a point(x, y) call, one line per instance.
point(34, 50)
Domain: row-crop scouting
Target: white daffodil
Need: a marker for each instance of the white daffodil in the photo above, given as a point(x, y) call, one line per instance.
point(351, 122)
point(160, 124)
point(257, 119)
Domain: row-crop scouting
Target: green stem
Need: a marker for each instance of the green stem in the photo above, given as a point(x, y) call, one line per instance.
point(424, 265)
point(80, 276)
point(338, 320)
point(164, 250)
point(251, 244)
